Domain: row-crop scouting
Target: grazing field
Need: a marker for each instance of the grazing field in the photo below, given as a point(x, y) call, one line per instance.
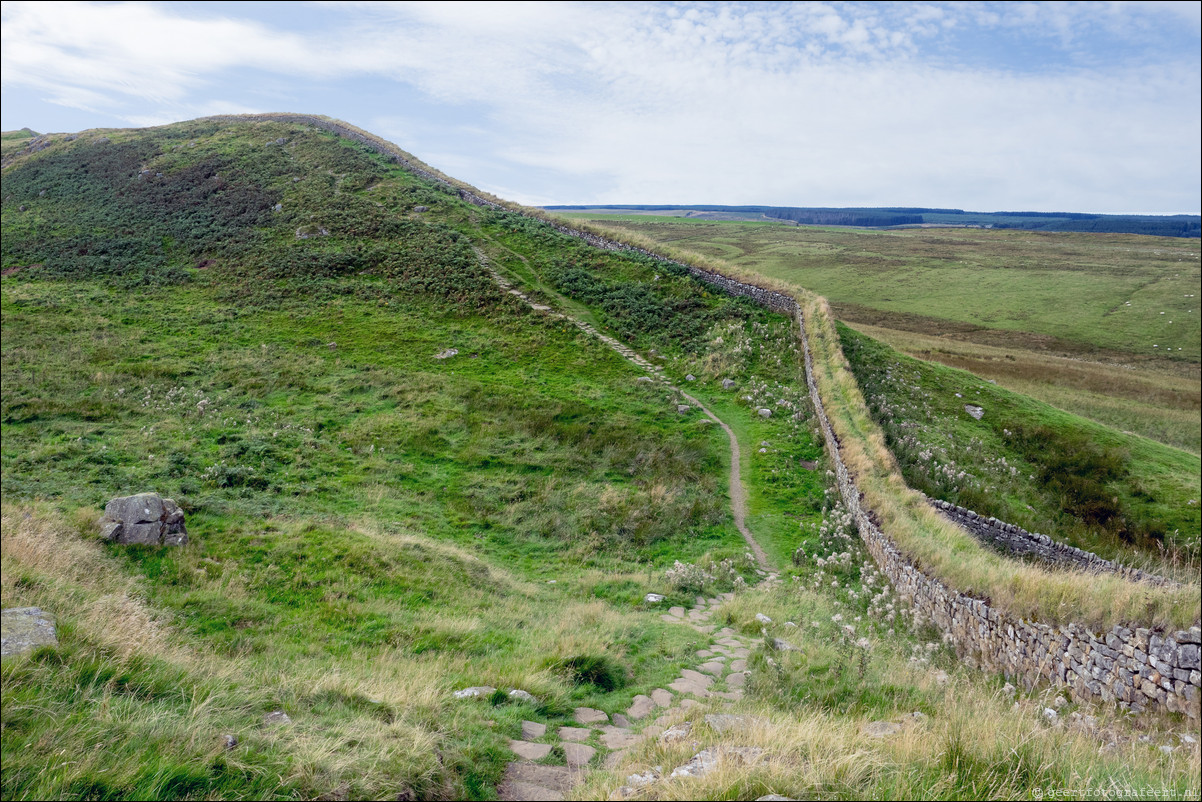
point(1158, 404)
point(1120, 311)
point(1121, 496)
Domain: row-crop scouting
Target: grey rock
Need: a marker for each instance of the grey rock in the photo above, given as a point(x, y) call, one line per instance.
point(146, 519)
point(1189, 656)
point(277, 718)
point(975, 412)
point(676, 733)
point(654, 598)
point(228, 742)
point(578, 754)
point(523, 696)
point(475, 692)
point(682, 408)
point(529, 751)
point(763, 619)
point(707, 760)
point(532, 730)
point(574, 733)
point(640, 707)
point(765, 413)
point(690, 378)
point(644, 779)
point(24, 629)
point(589, 715)
point(728, 384)
point(533, 781)
point(421, 208)
point(881, 729)
point(617, 737)
point(110, 530)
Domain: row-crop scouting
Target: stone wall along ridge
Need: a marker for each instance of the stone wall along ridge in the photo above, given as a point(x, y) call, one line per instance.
point(1136, 667)
point(1016, 540)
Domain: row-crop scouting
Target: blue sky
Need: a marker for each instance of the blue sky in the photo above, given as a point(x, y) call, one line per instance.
point(985, 106)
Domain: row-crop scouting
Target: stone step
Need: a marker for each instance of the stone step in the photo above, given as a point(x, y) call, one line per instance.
point(589, 715)
point(574, 733)
point(528, 781)
point(529, 751)
point(578, 755)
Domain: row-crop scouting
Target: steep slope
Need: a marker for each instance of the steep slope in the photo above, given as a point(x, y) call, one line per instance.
point(402, 480)
point(298, 341)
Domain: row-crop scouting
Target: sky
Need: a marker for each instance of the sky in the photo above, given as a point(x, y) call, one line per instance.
point(1087, 107)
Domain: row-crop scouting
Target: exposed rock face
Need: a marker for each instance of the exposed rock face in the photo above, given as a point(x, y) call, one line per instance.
point(147, 519)
point(24, 629)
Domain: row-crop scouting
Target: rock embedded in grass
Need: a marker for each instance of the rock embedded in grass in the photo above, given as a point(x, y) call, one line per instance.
point(589, 715)
point(25, 629)
point(707, 760)
point(144, 519)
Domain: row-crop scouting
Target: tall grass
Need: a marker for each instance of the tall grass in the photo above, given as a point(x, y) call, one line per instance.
point(950, 553)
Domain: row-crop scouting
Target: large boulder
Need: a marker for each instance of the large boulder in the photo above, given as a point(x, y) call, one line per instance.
point(147, 519)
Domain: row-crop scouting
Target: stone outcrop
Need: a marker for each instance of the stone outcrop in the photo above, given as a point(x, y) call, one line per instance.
point(23, 629)
point(145, 519)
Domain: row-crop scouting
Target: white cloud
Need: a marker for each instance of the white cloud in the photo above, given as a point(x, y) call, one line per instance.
point(807, 103)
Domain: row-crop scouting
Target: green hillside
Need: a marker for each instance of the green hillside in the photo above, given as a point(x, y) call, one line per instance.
point(402, 480)
point(1028, 463)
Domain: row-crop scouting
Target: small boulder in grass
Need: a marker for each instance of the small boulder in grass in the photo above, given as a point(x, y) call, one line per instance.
point(144, 519)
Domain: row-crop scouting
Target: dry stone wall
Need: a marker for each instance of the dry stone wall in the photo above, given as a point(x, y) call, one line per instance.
point(1016, 540)
point(1138, 668)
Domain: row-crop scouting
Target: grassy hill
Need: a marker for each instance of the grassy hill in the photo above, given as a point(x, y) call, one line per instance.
point(171, 326)
point(258, 320)
point(1102, 325)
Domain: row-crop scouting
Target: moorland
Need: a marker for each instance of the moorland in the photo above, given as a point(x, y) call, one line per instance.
point(402, 479)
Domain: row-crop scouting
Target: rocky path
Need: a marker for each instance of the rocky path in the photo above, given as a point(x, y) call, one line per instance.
point(551, 762)
point(738, 494)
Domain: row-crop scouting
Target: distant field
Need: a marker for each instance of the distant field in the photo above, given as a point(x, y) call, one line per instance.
point(1103, 325)
point(1086, 292)
point(1153, 403)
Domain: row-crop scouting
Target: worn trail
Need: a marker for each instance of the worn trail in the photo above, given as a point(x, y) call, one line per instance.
point(719, 677)
point(738, 494)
